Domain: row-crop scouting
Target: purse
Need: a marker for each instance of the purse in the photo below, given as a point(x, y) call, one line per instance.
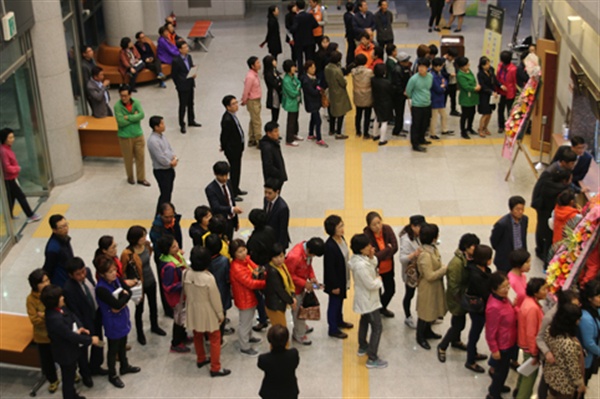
point(131, 271)
point(310, 309)
point(412, 273)
point(472, 303)
point(325, 98)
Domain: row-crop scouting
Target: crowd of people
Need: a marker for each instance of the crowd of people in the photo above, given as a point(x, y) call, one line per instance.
point(73, 307)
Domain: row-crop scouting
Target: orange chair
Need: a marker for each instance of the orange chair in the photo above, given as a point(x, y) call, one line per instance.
point(107, 58)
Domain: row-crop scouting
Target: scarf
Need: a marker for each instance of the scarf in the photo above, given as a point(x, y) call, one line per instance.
point(287, 279)
point(177, 260)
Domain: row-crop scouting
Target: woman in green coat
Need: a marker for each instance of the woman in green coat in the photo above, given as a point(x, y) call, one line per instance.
point(339, 101)
point(468, 97)
point(291, 99)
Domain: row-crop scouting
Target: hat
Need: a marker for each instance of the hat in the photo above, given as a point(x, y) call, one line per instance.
point(417, 220)
point(402, 57)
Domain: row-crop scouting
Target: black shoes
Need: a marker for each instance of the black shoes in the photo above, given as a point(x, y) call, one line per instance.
point(432, 335)
point(158, 331)
point(116, 381)
point(204, 363)
point(455, 113)
point(130, 370)
point(346, 325)
point(87, 381)
point(195, 124)
point(448, 133)
point(386, 313)
point(242, 192)
point(238, 199)
point(475, 367)
point(465, 136)
point(141, 338)
point(339, 335)
point(259, 327)
point(426, 142)
point(419, 149)
point(459, 345)
point(441, 354)
point(423, 344)
point(183, 130)
point(100, 371)
point(220, 373)
point(381, 143)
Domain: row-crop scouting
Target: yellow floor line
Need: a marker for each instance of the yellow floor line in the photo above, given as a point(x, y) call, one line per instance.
point(43, 229)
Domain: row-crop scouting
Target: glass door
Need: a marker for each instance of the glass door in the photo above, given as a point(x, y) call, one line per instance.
point(6, 236)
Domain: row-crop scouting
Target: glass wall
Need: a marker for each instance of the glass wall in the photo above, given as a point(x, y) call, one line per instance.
point(6, 238)
point(74, 56)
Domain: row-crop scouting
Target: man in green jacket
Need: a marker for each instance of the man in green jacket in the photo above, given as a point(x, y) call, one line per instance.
point(458, 280)
point(129, 114)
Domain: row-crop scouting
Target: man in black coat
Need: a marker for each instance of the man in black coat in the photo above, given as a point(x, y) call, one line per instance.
point(509, 233)
point(278, 213)
point(232, 142)
point(349, 35)
point(304, 40)
point(273, 165)
point(364, 20)
point(185, 86)
point(80, 298)
point(584, 159)
point(65, 341)
point(221, 198)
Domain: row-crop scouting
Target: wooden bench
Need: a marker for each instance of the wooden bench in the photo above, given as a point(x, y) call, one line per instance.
point(16, 344)
point(98, 137)
point(107, 58)
point(200, 30)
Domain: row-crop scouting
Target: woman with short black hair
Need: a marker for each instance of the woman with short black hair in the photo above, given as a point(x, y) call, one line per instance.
point(280, 366)
point(339, 101)
point(273, 40)
point(410, 249)
point(130, 62)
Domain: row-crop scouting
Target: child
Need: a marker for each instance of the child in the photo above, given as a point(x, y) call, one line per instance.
point(564, 211)
point(66, 335)
point(279, 366)
point(468, 97)
point(367, 284)
point(438, 98)
point(418, 90)
point(312, 102)
point(246, 277)
point(382, 102)
point(291, 93)
point(172, 265)
point(449, 73)
point(38, 279)
point(520, 262)
point(363, 97)
point(113, 295)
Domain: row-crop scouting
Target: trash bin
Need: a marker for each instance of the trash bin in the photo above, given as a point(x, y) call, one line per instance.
point(457, 42)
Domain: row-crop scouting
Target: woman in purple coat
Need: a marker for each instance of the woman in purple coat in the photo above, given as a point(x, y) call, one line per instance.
point(165, 50)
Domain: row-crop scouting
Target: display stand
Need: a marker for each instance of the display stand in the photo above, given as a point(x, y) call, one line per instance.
point(529, 161)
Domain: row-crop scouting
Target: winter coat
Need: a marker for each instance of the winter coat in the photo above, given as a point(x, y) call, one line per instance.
point(382, 98)
point(507, 76)
point(467, 97)
point(438, 93)
point(312, 95)
point(361, 86)
point(338, 96)
point(203, 301)
point(292, 95)
point(243, 283)
point(366, 284)
point(431, 301)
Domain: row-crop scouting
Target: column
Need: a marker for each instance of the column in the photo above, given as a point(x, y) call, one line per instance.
point(54, 82)
point(122, 19)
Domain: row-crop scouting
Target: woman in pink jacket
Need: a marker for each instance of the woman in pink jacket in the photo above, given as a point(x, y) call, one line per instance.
point(500, 333)
point(11, 170)
point(506, 74)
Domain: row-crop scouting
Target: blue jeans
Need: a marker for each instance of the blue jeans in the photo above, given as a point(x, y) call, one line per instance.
point(477, 324)
point(501, 369)
point(314, 126)
point(334, 313)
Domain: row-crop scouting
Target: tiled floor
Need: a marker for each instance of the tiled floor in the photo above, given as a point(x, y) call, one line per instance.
point(458, 185)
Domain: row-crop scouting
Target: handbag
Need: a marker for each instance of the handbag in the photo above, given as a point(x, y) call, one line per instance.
point(310, 309)
point(472, 303)
point(412, 273)
point(325, 98)
point(131, 271)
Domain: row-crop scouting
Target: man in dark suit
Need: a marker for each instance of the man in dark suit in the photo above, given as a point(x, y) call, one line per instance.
point(65, 339)
point(510, 233)
point(185, 86)
point(584, 159)
point(364, 20)
point(232, 142)
point(273, 165)
point(97, 94)
point(221, 198)
point(278, 213)
point(80, 298)
point(304, 40)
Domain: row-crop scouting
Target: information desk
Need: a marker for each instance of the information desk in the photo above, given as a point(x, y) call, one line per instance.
point(98, 137)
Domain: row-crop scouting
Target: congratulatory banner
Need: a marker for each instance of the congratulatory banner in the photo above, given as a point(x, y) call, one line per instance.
point(492, 40)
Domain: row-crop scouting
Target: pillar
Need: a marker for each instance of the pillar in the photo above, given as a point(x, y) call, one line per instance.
point(122, 19)
point(54, 83)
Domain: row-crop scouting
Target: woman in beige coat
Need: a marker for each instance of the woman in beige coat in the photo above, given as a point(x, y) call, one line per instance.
point(339, 101)
point(204, 310)
point(363, 97)
point(431, 300)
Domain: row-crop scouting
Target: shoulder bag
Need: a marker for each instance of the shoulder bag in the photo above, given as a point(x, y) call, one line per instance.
point(310, 309)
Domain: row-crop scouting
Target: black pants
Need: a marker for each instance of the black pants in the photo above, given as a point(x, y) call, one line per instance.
point(389, 288)
point(501, 369)
point(292, 128)
point(274, 114)
point(543, 235)
point(350, 51)
point(97, 352)
point(235, 172)
point(179, 334)
point(457, 324)
point(165, 179)
point(163, 299)
point(260, 308)
point(399, 105)
point(335, 124)
point(47, 362)
point(150, 293)
point(186, 102)
point(477, 324)
point(133, 76)
point(372, 319)
point(451, 92)
point(423, 330)
point(409, 294)
point(68, 380)
point(304, 54)
point(358, 120)
point(116, 347)
point(421, 117)
point(437, 6)
point(314, 126)
point(466, 119)
point(155, 66)
point(504, 107)
point(14, 192)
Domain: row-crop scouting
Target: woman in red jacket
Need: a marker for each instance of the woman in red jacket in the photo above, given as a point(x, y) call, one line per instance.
point(11, 169)
point(500, 332)
point(245, 277)
point(506, 75)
